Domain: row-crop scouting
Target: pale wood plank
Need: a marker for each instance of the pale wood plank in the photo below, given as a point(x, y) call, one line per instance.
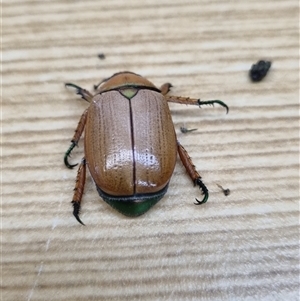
point(241, 247)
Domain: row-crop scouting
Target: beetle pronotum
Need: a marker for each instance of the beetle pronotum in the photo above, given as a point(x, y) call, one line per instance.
point(130, 144)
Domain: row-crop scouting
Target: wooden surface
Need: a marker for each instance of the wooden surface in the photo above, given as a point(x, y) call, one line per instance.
point(241, 247)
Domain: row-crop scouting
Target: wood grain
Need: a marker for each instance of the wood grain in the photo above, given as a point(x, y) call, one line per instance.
point(241, 247)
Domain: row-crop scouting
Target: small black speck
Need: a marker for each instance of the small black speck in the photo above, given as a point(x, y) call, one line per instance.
point(184, 130)
point(101, 56)
point(259, 70)
point(225, 191)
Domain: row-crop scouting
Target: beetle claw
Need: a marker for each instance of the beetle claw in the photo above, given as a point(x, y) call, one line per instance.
point(76, 210)
point(67, 155)
point(199, 202)
point(68, 164)
point(212, 102)
point(86, 95)
point(204, 191)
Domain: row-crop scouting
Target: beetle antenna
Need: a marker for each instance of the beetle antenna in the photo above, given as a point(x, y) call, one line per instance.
point(76, 210)
point(212, 102)
point(204, 191)
point(67, 155)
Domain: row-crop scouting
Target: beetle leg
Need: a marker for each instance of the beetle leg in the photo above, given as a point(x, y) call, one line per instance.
point(197, 102)
point(191, 170)
point(76, 137)
point(67, 154)
point(78, 190)
point(165, 88)
point(85, 94)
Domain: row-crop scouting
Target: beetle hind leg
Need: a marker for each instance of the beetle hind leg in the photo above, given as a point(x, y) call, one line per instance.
point(194, 175)
point(78, 190)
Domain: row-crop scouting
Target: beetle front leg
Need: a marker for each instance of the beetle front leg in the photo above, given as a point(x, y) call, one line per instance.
point(78, 190)
point(191, 170)
point(194, 101)
point(76, 137)
point(85, 94)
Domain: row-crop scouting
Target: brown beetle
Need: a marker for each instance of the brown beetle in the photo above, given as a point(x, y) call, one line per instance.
point(130, 144)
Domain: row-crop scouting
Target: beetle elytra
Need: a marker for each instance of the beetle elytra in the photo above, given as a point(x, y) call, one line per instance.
point(130, 144)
